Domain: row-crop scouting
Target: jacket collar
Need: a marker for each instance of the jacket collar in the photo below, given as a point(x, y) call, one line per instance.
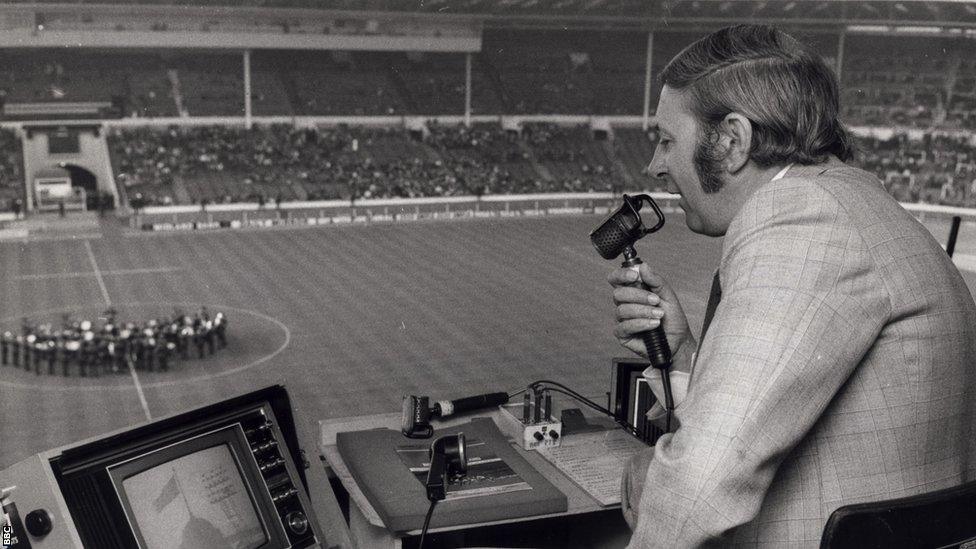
point(798, 170)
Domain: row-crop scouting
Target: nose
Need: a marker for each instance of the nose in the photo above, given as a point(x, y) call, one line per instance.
point(658, 170)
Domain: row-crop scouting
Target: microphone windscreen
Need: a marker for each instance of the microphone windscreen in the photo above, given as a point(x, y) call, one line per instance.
point(621, 229)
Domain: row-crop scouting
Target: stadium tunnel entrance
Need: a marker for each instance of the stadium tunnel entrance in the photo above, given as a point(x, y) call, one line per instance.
point(83, 178)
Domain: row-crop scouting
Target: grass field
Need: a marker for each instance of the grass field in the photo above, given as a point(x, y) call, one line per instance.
point(349, 319)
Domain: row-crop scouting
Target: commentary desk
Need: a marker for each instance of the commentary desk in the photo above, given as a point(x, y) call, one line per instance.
point(367, 530)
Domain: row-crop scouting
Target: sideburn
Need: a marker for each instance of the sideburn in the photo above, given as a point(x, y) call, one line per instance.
point(707, 160)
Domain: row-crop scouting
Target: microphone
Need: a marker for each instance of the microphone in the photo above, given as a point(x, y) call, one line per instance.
point(417, 412)
point(617, 235)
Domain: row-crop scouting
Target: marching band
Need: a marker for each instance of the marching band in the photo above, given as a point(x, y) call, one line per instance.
point(113, 346)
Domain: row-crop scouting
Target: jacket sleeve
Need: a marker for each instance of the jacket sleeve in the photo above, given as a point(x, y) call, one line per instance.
point(801, 305)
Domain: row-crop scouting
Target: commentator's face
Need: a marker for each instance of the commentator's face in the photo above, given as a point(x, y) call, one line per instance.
point(674, 163)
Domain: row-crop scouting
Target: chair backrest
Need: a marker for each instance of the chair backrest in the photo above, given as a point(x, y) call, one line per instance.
point(940, 519)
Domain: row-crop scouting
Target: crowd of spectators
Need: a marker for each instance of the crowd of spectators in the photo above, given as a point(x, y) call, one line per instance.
point(112, 346)
point(939, 169)
point(11, 172)
point(281, 162)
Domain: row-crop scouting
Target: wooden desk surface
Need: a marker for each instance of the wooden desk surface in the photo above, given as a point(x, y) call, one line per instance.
point(578, 501)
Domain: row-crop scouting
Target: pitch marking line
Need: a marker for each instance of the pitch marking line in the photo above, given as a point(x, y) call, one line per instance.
point(104, 273)
point(108, 302)
point(98, 273)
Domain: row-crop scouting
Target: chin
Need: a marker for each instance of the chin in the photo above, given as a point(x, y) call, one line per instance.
point(694, 223)
point(698, 225)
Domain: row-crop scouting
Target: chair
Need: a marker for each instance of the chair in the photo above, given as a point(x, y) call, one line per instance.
point(944, 518)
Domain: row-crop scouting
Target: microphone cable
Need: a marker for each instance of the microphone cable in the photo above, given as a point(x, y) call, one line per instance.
point(563, 389)
point(423, 532)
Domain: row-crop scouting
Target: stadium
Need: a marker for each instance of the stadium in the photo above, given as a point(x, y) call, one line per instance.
point(390, 198)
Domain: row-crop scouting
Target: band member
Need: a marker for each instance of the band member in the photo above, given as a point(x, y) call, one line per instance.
point(220, 328)
point(72, 353)
point(149, 349)
point(87, 353)
point(28, 346)
point(15, 345)
point(199, 338)
point(168, 349)
point(40, 353)
point(186, 336)
point(52, 355)
point(6, 344)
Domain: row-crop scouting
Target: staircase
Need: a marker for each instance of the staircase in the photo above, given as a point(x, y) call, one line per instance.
point(393, 73)
point(174, 82)
point(298, 106)
point(619, 167)
point(539, 167)
point(491, 72)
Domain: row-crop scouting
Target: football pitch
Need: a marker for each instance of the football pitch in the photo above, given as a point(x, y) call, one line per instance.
point(348, 318)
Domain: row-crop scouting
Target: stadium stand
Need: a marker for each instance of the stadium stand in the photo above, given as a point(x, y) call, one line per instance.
point(212, 164)
point(940, 171)
point(217, 164)
point(575, 162)
point(336, 82)
point(567, 73)
point(907, 83)
point(904, 83)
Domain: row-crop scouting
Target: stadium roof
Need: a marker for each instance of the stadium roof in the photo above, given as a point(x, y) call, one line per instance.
point(917, 12)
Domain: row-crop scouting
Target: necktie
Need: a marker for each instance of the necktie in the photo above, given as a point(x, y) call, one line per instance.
point(714, 296)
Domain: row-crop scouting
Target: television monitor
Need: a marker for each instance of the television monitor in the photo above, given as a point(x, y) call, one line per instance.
point(199, 492)
point(632, 398)
point(221, 476)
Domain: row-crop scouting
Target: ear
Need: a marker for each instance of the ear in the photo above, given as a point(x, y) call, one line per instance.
point(737, 133)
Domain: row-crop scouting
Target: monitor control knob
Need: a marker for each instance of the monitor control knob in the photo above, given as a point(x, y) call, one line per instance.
point(297, 522)
point(39, 523)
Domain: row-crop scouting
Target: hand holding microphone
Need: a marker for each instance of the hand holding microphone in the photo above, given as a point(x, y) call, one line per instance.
point(644, 301)
point(616, 236)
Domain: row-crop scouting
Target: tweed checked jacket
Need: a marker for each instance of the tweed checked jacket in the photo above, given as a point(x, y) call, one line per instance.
point(838, 368)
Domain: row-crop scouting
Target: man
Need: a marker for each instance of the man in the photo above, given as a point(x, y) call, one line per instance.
point(836, 361)
point(6, 344)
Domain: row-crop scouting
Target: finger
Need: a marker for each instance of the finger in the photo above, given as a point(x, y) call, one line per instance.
point(628, 311)
point(627, 329)
point(657, 283)
point(626, 294)
point(635, 346)
point(622, 277)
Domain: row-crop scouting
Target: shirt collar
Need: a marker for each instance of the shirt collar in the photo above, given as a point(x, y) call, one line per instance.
point(782, 172)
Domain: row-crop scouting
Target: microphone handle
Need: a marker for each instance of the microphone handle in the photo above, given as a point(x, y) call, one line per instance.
point(467, 404)
point(656, 341)
point(658, 350)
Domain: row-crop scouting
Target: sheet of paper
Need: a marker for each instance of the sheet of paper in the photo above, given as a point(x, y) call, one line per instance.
point(595, 461)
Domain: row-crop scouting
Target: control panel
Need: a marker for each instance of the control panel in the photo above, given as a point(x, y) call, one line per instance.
point(532, 434)
point(262, 438)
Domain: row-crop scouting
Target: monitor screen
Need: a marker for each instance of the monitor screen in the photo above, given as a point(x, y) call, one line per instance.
point(196, 493)
point(198, 500)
